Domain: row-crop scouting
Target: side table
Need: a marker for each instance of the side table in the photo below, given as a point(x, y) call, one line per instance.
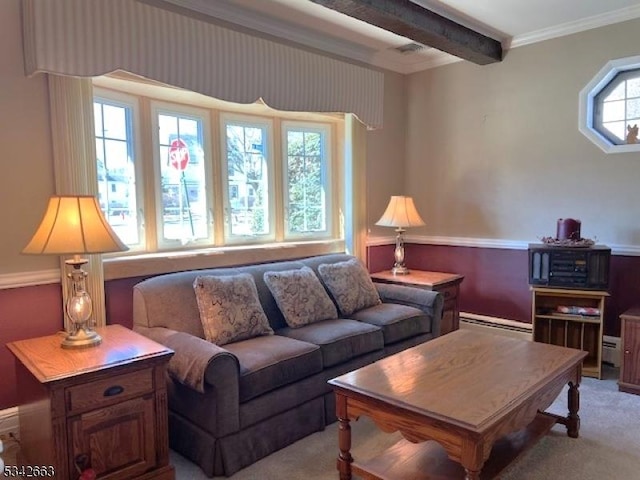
point(448, 284)
point(103, 407)
point(630, 368)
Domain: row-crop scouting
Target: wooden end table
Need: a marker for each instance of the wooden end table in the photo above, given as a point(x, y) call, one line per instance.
point(630, 369)
point(448, 284)
point(467, 404)
point(79, 406)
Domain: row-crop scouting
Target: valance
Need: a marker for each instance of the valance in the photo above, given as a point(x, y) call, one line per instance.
point(91, 38)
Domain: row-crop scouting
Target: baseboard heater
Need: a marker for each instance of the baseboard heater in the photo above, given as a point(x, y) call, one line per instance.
point(512, 328)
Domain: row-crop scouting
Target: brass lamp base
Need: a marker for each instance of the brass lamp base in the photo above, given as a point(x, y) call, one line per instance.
point(82, 337)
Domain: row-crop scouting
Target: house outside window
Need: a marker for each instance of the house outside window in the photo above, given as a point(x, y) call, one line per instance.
point(609, 113)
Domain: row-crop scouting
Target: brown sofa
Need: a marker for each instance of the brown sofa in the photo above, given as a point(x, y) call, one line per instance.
point(231, 405)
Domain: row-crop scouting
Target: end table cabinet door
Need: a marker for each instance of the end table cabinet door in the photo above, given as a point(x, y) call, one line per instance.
point(119, 439)
point(630, 374)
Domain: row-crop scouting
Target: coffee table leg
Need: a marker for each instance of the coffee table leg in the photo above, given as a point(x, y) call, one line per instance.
point(573, 420)
point(344, 443)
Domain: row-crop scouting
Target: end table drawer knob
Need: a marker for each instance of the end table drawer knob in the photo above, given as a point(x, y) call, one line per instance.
point(112, 391)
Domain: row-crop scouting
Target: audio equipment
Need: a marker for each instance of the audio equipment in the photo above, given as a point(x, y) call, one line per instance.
point(569, 267)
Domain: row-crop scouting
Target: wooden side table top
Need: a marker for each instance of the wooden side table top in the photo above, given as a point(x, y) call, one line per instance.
point(420, 278)
point(49, 362)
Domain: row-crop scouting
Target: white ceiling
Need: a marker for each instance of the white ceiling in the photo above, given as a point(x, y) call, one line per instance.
point(513, 22)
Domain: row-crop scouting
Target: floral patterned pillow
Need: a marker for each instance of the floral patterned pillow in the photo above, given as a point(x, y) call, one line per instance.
point(350, 284)
point(300, 296)
point(229, 308)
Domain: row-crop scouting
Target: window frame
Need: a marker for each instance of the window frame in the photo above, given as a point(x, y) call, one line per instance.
point(267, 124)
point(587, 112)
point(158, 107)
point(328, 175)
point(126, 100)
point(154, 259)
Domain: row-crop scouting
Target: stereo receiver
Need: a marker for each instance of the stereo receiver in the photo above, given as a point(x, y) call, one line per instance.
point(569, 267)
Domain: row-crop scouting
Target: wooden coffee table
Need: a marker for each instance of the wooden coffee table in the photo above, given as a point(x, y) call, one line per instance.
point(464, 403)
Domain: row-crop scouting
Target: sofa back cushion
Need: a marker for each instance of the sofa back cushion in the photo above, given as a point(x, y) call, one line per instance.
point(169, 300)
point(300, 296)
point(350, 284)
point(229, 308)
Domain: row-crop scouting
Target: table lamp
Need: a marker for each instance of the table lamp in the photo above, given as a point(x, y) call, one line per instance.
point(400, 213)
point(74, 225)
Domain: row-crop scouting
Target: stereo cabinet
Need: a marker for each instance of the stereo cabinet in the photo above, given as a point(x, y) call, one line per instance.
point(583, 332)
point(630, 368)
point(103, 407)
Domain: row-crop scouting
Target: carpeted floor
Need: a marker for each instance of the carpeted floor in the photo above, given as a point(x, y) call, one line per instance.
point(608, 447)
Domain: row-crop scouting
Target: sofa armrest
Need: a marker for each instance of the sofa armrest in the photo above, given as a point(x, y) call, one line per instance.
point(196, 361)
point(204, 368)
point(428, 301)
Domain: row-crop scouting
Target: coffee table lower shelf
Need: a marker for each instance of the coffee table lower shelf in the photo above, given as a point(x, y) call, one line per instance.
point(428, 460)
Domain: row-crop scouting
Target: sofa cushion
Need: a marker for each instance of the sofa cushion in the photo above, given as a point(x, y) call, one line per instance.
point(269, 362)
point(300, 296)
point(350, 284)
point(398, 322)
point(229, 308)
point(340, 340)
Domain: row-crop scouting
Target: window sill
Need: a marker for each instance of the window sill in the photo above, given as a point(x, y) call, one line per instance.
point(149, 264)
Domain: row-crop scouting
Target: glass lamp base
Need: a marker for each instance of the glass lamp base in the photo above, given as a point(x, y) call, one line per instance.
point(400, 270)
point(82, 337)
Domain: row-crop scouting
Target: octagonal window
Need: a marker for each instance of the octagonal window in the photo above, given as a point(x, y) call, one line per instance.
point(617, 107)
point(610, 106)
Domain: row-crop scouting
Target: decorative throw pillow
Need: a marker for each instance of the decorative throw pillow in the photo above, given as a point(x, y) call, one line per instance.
point(350, 284)
point(300, 296)
point(229, 308)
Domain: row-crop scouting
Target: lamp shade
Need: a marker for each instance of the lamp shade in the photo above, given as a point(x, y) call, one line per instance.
point(74, 225)
point(401, 213)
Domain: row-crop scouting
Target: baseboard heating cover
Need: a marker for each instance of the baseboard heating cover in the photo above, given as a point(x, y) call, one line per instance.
point(611, 350)
point(512, 328)
point(501, 326)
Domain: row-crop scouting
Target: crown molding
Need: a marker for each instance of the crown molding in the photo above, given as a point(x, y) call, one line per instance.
point(569, 28)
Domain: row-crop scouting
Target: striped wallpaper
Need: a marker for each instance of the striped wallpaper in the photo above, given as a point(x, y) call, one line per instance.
point(91, 38)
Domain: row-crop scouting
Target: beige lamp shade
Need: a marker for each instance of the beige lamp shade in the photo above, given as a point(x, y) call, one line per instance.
point(73, 225)
point(401, 212)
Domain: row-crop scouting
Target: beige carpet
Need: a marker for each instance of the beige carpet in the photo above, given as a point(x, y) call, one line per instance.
point(608, 447)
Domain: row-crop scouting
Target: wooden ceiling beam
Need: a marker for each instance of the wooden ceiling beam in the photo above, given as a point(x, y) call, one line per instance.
point(423, 26)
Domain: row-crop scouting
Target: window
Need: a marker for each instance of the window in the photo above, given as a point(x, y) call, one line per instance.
point(116, 166)
point(246, 154)
point(211, 174)
point(610, 106)
point(307, 173)
point(617, 107)
point(181, 182)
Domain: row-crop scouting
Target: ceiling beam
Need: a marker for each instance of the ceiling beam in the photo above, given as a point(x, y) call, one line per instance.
point(423, 26)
